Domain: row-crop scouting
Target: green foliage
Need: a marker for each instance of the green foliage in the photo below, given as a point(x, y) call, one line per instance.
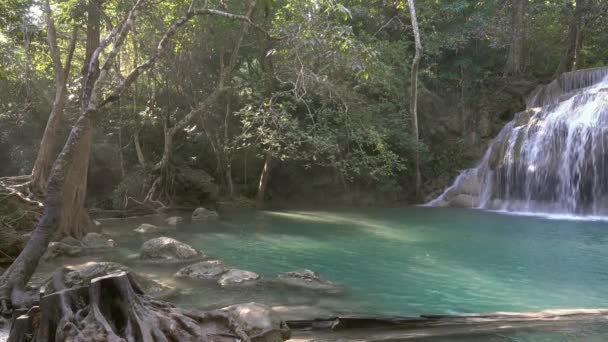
point(326, 92)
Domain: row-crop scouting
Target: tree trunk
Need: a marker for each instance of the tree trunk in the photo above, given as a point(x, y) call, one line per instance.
point(414, 97)
point(20, 271)
point(574, 39)
point(515, 58)
point(263, 184)
point(45, 157)
point(229, 181)
point(62, 193)
point(75, 220)
point(114, 308)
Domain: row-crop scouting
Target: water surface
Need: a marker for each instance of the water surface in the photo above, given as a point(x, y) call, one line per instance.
point(410, 261)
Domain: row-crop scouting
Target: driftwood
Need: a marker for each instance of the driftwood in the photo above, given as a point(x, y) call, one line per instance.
point(114, 308)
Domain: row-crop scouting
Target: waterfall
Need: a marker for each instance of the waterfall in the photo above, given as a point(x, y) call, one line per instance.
point(551, 158)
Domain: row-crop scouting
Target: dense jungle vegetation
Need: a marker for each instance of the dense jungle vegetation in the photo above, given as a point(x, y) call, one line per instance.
point(310, 106)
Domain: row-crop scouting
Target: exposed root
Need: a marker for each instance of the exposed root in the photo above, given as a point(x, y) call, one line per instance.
point(113, 308)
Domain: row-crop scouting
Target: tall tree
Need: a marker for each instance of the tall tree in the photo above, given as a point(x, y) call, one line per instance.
point(516, 56)
point(414, 96)
point(574, 39)
point(14, 279)
point(42, 165)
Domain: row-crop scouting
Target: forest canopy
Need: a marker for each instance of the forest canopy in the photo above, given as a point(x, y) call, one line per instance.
point(312, 103)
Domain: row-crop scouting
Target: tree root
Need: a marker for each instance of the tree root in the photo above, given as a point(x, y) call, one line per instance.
point(113, 308)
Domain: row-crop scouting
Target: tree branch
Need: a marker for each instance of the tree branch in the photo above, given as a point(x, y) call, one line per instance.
point(169, 33)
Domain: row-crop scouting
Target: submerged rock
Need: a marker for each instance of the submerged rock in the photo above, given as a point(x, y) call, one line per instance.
point(168, 249)
point(210, 269)
point(60, 249)
point(97, 241)
point(260, 321)
point(203, 214)
point(236, 277)
point(147, 228)
point(307, 279)
point(174, 220)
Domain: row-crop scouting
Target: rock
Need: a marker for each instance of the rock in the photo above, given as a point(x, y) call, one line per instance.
point(235, 277)
point(150, 229)
point(260, 321)
point(68, 240)
point(174, 221)
point(60, 249)
point(165, 248)
point(202, 214)
point(97, 241)
point(203, 270)
point(464, 201)
point(81, 275)
point(307, 279)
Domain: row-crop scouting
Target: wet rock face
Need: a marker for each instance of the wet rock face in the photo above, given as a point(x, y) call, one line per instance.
point(307, 279)
point(97, 241)
point(236, 277)
point(164, 248)
point(210, 269)
point(259, 321)
point(151, 229)
point(203, 214)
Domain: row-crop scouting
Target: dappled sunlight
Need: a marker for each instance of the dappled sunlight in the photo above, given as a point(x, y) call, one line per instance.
point(394, 232)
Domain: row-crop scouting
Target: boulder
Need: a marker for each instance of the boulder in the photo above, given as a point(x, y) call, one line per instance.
point(151, 229)
point(97, 241)
point(203, 214)
point(210, 269)
point(60, 249)
point(236, 277)
point(307, 279)
point(168, 249)
point(68, 240)
point(81, 275)
point(174, 221)
point(259, 321)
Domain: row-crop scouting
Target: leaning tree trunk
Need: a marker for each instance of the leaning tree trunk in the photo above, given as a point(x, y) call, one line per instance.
point(75, 152)
point(414, 97)
point(515, 58)
point(16, 276)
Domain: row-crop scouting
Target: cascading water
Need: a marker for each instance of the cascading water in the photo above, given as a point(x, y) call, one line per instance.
point(551, 158)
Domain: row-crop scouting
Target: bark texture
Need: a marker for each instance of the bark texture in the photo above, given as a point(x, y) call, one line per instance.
point(114, 308)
